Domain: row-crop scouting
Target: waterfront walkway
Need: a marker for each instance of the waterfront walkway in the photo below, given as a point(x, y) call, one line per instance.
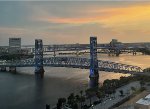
point(109, 102)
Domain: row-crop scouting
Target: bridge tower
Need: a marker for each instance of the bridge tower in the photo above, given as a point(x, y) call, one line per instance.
point(94, 75)
point(39, 71)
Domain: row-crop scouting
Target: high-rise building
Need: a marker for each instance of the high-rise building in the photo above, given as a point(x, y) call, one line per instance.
point(14, 45)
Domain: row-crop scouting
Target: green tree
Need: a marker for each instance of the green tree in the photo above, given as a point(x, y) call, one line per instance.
point(142, 83)
point(60, 102)
point(121, 92)
point(71, 99)
point(133, 89)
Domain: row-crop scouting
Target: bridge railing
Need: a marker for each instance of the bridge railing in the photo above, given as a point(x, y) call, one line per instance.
point(67, 62)
point(74, 62)
point(118, 67)
point(18, 63)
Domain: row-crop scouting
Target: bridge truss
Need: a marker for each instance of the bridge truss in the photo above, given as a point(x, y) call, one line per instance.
point(74, 62)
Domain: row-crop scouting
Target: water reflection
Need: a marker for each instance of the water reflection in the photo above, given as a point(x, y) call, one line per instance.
point(23, 91)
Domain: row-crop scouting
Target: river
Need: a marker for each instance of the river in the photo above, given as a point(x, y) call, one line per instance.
point(23, 91)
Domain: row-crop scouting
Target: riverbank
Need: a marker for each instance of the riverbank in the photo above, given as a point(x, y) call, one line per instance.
point(111, 103)
point(111, 94)
point(132, 102)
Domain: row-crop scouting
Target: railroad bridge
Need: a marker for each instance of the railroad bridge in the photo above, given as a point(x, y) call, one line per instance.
point(91, 63)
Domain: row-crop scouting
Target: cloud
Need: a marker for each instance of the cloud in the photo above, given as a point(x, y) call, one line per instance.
point(74, 22)
point(120, 18)
point(129, 15)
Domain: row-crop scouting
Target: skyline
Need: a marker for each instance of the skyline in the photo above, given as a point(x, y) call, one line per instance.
point(74, 22)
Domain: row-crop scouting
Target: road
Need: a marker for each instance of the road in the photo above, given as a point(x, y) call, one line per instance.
point(109, 102)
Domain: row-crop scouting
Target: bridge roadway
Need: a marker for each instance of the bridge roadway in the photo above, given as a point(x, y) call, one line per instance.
point(80, 47)
point(75, 62)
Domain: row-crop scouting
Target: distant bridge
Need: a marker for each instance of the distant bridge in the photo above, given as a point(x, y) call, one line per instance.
point(79, 47)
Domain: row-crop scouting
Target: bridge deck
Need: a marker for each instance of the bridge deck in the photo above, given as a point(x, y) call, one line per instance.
point(74, 62)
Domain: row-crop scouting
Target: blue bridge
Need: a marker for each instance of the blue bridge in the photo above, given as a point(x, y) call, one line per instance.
point(75, 62)
point(91, 63)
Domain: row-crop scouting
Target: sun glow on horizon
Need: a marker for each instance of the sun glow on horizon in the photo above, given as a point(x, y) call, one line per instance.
point(125, 22)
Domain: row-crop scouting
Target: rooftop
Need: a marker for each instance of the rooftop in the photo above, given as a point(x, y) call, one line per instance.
point(144, 101)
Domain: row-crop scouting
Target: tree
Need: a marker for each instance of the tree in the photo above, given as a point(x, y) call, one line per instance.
point(142, 83)
point(60, 102)
point(77, 97)
point(71, 99)
point(133, 89)
point(75, 106)
point(81, 92)
point(82, 99)
point(90, 93)
point(113, 91)
point(121, 92)
point(100, 95)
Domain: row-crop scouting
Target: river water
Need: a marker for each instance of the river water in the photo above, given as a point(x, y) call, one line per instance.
point(23, 91)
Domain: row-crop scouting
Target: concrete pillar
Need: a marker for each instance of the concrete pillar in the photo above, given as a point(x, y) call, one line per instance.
point(47, 106)
point(54, 53)
point(94, 75)
point(12, 69)
point(3, 69)
point(77, 52)
point(54, 50)
point(134, 52)
point(39, 70)
point(117, 52)
point(33, 50)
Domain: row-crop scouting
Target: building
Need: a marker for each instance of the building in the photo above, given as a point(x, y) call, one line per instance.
point(4, 49)
point(143, 103)
point(115, 43)
point(15, 42)
point(14, 45)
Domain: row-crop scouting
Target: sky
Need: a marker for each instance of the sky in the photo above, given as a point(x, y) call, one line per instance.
point(70, 22)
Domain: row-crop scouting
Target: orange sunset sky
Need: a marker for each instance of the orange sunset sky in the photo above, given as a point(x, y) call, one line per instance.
point(73, 22)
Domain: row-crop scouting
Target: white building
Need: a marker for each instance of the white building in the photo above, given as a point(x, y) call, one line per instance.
point(143, 103)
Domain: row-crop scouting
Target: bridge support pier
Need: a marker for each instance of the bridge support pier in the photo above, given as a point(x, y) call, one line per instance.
point(3, 69)
point(77, 50)
point(134, 52)
point(94, 75)
point(12, 69)
point(117, 52)
point(39, 70)
point(54, 53)
point(94, 81)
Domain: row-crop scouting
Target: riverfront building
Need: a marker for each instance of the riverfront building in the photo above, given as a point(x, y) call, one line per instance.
point(14, 45)
point(143, 103)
